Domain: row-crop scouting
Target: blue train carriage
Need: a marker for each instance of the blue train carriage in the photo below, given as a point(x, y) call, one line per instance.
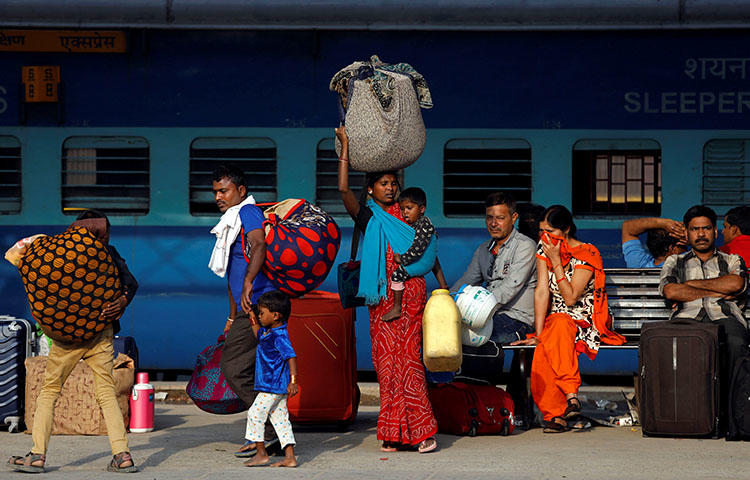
point(630, 109)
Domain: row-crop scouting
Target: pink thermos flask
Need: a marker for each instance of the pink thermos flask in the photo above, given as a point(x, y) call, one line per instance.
point(142, 405)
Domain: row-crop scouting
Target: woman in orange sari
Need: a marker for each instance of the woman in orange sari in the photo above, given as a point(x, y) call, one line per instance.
point(571, 316)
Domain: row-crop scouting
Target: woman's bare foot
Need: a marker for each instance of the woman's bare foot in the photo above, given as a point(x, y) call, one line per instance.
point(257, 461)
point(287, 462)
point(392, 314)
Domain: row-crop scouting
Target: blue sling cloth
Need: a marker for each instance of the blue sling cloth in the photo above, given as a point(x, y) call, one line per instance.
point(384, 229)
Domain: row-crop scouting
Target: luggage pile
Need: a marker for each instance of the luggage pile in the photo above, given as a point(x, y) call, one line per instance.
point(322, 334)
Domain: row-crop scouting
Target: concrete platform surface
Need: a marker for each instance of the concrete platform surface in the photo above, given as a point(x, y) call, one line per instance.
point(191, 444)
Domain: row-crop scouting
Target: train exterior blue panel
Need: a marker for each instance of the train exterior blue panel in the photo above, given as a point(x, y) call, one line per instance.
point(556, 80)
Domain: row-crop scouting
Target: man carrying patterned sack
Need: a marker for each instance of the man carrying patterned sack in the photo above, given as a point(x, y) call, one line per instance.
point(239, 234)
point(97, 351)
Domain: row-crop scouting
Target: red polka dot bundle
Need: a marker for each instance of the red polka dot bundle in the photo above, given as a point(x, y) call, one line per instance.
point(68, 278)
point(301, 245)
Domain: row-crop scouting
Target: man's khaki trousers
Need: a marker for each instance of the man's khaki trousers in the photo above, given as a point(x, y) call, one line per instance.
point(98, 353)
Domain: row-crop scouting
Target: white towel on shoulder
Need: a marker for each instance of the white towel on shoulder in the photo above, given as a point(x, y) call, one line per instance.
point(226, 232)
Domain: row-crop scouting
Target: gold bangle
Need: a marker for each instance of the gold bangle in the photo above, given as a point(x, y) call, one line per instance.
point(292, 378)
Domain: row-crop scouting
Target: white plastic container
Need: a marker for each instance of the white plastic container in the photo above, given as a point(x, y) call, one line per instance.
point(476, 338)
point(476, 304)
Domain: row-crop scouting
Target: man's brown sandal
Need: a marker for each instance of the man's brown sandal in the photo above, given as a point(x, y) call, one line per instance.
point(116, 464)
point(26, 464)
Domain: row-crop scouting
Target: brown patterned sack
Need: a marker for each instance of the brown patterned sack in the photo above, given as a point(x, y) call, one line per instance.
point(68, 277)
point(76, 411)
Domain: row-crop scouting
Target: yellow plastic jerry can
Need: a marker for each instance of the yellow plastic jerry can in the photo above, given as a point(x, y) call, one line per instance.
point(441, 333)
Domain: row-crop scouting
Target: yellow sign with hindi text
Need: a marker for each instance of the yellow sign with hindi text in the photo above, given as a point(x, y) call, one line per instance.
point(40, 83)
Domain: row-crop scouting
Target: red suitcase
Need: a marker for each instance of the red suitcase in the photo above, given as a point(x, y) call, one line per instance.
point(322, 334)
point(468, 409)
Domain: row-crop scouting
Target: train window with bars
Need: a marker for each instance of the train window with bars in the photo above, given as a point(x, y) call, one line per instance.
point(726, 174)
point(10, 175)
point(474, 168)
point(327, 194)
point(256, 157)
point(617, 176)
point(110, 174)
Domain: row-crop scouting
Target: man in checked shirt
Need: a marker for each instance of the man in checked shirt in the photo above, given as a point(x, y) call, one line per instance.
point(708, 285)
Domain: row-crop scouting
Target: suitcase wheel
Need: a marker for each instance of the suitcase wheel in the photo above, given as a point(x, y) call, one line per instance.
point(505, 431)
point(473, 428)
point(13, 424)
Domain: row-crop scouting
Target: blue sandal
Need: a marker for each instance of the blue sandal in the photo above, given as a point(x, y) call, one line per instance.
point(246, 450)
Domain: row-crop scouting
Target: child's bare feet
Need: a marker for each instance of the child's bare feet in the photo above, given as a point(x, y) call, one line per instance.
point(392, 314)
point(287, 462)
point(257, 461)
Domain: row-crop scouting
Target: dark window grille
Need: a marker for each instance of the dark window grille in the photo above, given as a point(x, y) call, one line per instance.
point(256, 157)
point(474, 168)
point(617, 181)
point(10, 175)
point(726, 174)
point(110, 174)
point(327, 194)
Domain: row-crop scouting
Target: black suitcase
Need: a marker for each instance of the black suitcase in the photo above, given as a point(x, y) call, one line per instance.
point(482, 365)
point(16, 342)
point(679, 379)
point(127, 346)
point(739, 402)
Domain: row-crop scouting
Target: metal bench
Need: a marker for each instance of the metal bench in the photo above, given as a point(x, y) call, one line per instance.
point(634, 299)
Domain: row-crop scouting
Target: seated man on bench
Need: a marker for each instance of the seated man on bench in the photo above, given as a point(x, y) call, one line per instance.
point(708, 285)
point(506, 265)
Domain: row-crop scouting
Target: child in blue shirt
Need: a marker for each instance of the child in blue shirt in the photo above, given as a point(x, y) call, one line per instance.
point(275, 378)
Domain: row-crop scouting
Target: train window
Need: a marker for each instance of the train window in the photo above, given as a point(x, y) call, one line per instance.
point(617, 176)
point(326, 178)
point(726, 174)
point(474, 168)
point(10, 175)
point(110, 174)
point(254, 156)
